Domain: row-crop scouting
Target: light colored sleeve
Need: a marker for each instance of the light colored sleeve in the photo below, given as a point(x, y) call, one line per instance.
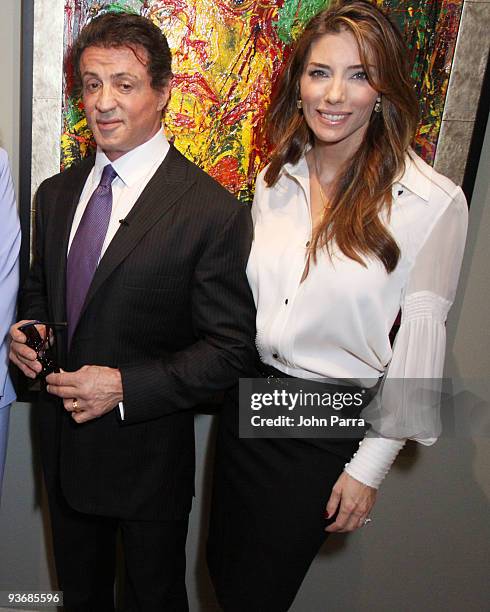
point(407, 406)
point(9, 270)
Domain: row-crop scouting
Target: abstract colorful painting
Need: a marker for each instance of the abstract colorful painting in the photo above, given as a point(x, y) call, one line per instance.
point(227, 57)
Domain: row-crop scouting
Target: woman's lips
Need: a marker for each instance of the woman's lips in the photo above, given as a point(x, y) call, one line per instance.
point(333, 118)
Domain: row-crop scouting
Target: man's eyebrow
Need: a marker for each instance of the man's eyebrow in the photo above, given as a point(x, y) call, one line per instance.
point(116, 76)
point(124, 74)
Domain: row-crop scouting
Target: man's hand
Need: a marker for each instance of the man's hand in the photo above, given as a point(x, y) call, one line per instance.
point(356, 501)
point(89, 392)
point(24, 357)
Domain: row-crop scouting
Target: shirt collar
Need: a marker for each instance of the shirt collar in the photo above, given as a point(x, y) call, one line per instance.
point(135, 164)
point(300, 173)
point(297, 170)
point(417, 177)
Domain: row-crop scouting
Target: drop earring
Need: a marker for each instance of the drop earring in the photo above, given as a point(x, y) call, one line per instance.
point(299, 103)
point(377, 106)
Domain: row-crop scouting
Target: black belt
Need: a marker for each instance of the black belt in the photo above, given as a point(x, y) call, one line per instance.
point(267, 371)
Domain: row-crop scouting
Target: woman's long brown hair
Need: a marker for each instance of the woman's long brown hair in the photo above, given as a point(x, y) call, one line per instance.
point(363, 188)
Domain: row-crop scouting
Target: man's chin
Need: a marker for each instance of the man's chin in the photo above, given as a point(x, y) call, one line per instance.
point(111, 148)
point(110, 138)
point(112, 153)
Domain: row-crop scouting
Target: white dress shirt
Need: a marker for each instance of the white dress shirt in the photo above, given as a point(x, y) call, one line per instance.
point(134, 170)
point(336, 323)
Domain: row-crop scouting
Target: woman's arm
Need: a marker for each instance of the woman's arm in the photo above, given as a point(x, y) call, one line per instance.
point(418, 353)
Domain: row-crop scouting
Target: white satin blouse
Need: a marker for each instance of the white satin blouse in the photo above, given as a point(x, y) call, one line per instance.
point(336, 323)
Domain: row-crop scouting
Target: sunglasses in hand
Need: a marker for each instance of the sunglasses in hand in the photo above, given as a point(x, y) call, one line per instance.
point(42, 346)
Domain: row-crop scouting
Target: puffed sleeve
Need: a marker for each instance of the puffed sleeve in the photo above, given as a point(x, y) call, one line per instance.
point(411, 410)
point(408, 404)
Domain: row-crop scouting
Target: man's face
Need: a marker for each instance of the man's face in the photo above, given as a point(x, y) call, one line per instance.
point(122, 108)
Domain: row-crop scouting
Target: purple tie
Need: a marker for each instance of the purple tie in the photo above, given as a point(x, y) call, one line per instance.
point(86, 247)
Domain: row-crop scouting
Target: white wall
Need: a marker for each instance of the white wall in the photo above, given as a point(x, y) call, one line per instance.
point(10, 89)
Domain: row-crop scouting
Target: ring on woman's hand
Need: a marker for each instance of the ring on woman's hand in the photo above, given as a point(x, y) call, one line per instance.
point(366, 521)
point(74, 405)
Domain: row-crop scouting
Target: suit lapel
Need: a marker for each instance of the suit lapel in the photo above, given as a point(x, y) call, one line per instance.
point(169, 183)
point(67, 201)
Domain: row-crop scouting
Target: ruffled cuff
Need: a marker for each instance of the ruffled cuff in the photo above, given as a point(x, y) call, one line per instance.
point(372, 461)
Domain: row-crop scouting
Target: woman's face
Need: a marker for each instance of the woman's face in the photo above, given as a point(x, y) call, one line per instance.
point(337, 98)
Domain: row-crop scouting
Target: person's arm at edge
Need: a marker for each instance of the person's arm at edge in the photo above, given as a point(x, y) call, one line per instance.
point(10, 238)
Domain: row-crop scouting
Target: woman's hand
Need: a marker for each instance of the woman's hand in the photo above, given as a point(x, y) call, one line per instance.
point(356, 500)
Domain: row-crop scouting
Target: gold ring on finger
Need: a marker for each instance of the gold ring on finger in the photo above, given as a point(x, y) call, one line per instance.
point(75, 405)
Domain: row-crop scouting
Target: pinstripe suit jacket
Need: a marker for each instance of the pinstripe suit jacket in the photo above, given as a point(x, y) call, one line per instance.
point(169, 306)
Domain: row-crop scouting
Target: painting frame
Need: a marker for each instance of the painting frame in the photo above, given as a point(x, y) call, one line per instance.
point(458, 149)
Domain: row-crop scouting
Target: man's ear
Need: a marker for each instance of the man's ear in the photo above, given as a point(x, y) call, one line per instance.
point(164, 98)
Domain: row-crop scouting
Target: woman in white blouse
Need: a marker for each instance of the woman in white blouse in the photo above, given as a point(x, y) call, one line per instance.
point(350, 226)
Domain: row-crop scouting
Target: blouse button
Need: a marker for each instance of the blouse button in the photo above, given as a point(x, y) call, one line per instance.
point(286, 301)
point(275, 355)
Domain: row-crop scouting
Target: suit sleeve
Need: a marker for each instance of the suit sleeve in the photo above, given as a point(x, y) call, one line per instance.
point(9, 270)
point(223, 317)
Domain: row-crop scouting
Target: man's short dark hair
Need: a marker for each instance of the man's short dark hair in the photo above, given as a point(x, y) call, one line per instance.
point(125, 30)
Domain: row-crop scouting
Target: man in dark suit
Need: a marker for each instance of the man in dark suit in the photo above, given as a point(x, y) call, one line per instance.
point(144, 256)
